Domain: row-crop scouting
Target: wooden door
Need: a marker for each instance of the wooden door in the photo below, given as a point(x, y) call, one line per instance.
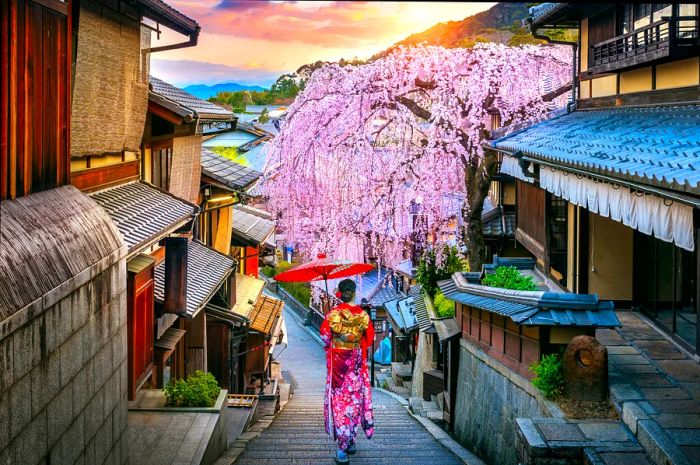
point(140, 328)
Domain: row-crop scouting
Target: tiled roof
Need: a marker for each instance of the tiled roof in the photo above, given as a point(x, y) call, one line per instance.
point(143, 214)
point(384, 293)
point(185, 104)
point(447, 328)
point(422, 316)
point(251, 225)
point(206, 271)
point(248, 290)
point(264, 314)
point(498, 223)
point(541, 11)
point(533, 307)
point(227, 172)
point(652, 145)
point(161, 12)
point(402, 313)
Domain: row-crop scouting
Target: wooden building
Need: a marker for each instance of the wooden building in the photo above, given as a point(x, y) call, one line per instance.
point(253, 237)
point(607, 189)
point(70, 97)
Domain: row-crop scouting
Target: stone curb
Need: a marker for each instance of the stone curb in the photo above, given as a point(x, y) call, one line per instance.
point(659, 446)
point(447, 442)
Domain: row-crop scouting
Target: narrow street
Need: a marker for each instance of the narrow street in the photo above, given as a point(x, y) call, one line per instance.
point(297, 436)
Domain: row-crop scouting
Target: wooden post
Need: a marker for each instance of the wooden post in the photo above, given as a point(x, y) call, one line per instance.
point(175, 275)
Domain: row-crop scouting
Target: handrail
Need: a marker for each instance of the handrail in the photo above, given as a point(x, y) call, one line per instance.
point(664, 32)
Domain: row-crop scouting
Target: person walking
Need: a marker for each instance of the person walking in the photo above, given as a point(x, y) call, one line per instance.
point(347, 332)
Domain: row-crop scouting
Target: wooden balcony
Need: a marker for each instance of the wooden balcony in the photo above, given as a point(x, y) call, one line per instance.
point(668, 38)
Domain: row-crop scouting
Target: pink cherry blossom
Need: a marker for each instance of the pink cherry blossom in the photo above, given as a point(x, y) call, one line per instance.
point(362, 143)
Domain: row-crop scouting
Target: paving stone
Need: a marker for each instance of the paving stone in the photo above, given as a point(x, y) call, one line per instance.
point(625, 369)
point(681, 370)
point(678, 420)
point(560, 432)
point(624, 392)
point(660, 350)
point(685, 436)
point(692, 453)
point(649, 380)
point(622, 350)
point(676, 406)
point(604, 431)
point(628, 359)
point(664, 393)
point(622, 458)
point(610, 337)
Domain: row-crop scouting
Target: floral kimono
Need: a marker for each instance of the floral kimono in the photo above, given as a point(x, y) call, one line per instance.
point(347, 332)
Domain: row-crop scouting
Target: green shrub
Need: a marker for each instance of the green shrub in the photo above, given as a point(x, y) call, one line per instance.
point(198, 390)
point(443, 306)
point(428, 273)
point(549, 375)
point(300, 291)
point(508, 277)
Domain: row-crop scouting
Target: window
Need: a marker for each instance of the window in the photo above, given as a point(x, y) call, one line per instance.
point(162, 161)
point(665, 279)
point(558, 236)
point(688, 21)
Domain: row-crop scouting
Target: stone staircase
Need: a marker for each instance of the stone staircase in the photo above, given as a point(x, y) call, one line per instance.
point(432, 409)
point(397, 379)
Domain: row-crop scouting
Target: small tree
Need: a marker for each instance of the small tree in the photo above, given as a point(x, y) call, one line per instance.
point(434, 267)
point(264, 117)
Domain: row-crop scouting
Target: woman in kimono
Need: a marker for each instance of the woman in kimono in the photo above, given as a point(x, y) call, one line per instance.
point(347, 333)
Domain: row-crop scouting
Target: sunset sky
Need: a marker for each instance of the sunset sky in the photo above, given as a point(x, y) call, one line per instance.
point(254, 42)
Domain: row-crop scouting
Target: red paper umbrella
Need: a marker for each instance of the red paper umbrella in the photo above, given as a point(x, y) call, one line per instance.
point(323, 268)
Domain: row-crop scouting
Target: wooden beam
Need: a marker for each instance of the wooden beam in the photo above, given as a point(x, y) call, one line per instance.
point(164, 113)
point(93, 179)
point(175, 299)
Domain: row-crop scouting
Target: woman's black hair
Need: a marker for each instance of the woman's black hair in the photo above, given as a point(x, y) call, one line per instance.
point(347, 289)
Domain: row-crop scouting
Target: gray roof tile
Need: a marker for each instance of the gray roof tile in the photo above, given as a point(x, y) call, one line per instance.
point(227, 172)
point(185, 104)
point(652, 145)
point(402, 313)
point(206, 271)
point(143, 213)
point(251, 225)
point(424, 322)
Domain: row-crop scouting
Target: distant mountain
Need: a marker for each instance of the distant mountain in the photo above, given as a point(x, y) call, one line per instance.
point(502, 23)
point(204, 91)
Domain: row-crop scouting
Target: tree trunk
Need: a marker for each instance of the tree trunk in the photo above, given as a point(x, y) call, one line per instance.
point(478, 181)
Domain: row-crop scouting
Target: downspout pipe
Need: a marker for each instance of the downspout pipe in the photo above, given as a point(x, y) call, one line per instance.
point(191, 42)
point(574, 49)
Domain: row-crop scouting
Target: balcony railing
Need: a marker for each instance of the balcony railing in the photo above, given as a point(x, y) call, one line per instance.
point(657, 40)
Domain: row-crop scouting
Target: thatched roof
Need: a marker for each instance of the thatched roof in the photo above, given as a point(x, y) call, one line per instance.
point(45, 240)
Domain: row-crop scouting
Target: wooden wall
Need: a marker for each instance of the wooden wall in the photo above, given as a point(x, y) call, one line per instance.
point(35, 76)
point(530, 217)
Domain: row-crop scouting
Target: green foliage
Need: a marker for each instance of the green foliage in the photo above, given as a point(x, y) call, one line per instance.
point(232, 154)
point(264, 117)
point(282, 92)
point(444, 307)
point(508, 277)
point(549, 375)
point(428, 273)
point(300, 291)
point(198, 390)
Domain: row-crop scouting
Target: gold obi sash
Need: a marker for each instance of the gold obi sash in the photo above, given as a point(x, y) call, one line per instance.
point(347, 328)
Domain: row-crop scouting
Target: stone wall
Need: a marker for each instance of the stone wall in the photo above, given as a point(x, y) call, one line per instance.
point(489, 399)
point(423, 363)
point(63, 375)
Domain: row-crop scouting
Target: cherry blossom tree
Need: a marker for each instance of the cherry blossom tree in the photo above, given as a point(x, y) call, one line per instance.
point(364, 148)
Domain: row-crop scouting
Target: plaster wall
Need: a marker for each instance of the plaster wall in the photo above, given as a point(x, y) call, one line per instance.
point(423, 363)
point(489, 399)
point(638, 80)
point(678, 73)
point(583, 56)
point(610, 255)
point(63, 378)
point(604, 86)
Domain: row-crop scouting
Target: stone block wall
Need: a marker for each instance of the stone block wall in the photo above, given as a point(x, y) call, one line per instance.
point(63, 378)
point(489, 399)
